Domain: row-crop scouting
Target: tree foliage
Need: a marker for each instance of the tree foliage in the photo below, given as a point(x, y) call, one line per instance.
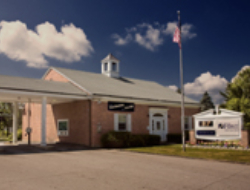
point(237, 95)
point(206, 102)
point(6, 116)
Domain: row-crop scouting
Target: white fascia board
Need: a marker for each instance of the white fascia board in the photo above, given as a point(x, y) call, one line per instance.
point(232, 112)
point(73, 82)
point(141, 101)
point(27, 93)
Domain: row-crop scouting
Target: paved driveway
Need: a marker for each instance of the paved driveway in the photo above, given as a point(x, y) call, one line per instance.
point(114, 169)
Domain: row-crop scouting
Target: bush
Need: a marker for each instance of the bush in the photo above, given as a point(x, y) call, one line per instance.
point(19, 134)
point(115, 139)
point(177, 138)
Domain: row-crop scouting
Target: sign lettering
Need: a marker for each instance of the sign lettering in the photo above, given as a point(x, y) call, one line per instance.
point(118, 106)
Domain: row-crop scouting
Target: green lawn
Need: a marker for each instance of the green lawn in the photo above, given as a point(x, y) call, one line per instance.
point(239, 156)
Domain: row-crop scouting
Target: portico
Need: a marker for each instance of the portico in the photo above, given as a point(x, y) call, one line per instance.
point(26, 91)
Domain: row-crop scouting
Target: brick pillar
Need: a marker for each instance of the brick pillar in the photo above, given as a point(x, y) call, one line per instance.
point(192, 138)
point(245, 138)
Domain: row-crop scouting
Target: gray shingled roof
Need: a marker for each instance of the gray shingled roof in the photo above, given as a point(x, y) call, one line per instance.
point(99, 84)
point(110, 57)
point(38, 85)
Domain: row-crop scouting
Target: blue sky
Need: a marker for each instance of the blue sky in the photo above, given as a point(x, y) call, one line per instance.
point(139, 33)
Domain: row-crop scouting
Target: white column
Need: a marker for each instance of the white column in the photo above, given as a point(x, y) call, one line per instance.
point(43, 124)
point(15, 123)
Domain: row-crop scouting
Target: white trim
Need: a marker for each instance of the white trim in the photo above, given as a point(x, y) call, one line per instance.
point(27, 93)
point(164, 112)
point(73, 82)
point(67, 132)
point(128, 122)
point(14, 122)
point(116, 122)
point(43, 121)
point(143, 102)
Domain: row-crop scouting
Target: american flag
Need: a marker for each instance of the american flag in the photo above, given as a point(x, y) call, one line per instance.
point(177, 35)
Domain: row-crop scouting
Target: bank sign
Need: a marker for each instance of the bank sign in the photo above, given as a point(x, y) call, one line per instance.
point(218, 129)
point(228, 127)
point(120, 106)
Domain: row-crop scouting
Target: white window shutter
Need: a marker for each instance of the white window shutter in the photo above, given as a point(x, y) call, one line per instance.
point(129, 123)
point(116, 119)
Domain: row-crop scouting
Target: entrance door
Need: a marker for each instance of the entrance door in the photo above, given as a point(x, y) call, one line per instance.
point(158, 128)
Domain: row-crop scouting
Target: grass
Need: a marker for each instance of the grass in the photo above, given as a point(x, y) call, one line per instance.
point(238, 156)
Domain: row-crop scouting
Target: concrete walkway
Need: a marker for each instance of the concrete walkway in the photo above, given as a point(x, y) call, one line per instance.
point(114, 169)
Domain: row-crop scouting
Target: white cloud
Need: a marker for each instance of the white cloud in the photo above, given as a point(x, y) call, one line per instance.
point(170, 28)
point(242, 69)
point(22, 44)
point(151, 39)
point(185, 30)
point(150, 36)
point(122, 41)
point(173, 87)
point(206, 82)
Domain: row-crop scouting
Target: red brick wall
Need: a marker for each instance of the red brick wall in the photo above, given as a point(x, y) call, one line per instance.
point(174, 118)
point(78, 115)
point(140, 119)
point(76, 112)
point(101, 115)
point(55, 76)
point(35, 124)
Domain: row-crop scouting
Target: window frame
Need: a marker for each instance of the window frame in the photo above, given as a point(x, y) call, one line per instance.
point(60, 133)
point(114, 65)
point(105, 66)
point(128, 122)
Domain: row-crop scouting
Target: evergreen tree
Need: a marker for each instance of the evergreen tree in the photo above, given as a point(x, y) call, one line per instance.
point(206, 102)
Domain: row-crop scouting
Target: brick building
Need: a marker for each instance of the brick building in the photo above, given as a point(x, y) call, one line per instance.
point(98, 103)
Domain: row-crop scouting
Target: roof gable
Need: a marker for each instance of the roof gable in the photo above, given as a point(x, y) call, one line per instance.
point(223, 113)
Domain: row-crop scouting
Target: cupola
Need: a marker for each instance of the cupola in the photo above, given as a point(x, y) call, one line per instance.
point(110, 66)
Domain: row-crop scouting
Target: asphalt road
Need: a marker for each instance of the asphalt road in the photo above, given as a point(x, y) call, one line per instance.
point(114, 169)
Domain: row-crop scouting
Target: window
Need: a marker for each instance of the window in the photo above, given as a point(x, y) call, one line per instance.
point(206, 123)
point(122, 122)
point(158, 115)
point(114, 67)
point(105, 66)
point(63, 127)
point(188, 123)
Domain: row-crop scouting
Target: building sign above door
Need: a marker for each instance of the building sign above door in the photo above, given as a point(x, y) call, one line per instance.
point(119, 106)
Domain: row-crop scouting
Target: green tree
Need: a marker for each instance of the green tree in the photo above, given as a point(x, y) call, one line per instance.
point(6, 116)
point(206, 102)
point(237, 95)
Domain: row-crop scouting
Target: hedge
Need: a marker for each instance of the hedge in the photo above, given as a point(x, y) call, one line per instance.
point(115, 139)
point(177, 138)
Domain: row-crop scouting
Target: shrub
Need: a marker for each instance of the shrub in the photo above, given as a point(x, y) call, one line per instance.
point(177, 138)
point(19, 134)
point(115, 139)
point(144, 140)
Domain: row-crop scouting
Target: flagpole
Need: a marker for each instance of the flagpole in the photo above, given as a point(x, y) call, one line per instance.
point(182, 89)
